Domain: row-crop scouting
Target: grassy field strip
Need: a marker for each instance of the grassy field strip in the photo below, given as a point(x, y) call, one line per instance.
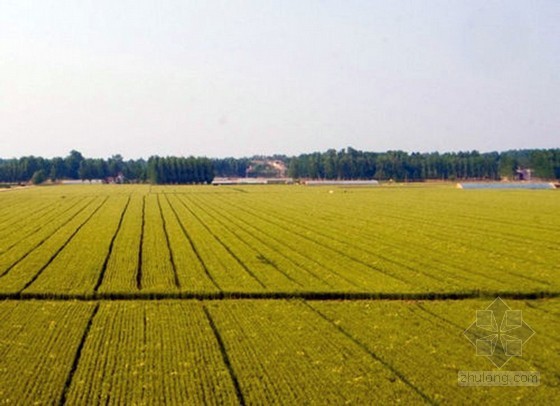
point(122, 265)
point(427, 350)
point(300, 255)
point(30, 227)
point(38, 343)
point(14, 208)
point(480, 266)
point(515, 278)
point(345, 243)
point(226, 244)
point(469, 235)
point(483, 260)
point(444, 215)
point(151, 352)
point(521, 209)
point(246, 352)
point(224, 269)
point(271, 276)
point(269, 251)
point(300, 252)
point(551, 306)
point(191, 271)
point(488, 250)
point(298, 358)
point(141, 246)
point(25, 271)
point(25, 247)
point(542, 352)
point(11, 225)
point(172, 255)
point(304, 249)
point(438, 222)
point(77, 266)
point(357, 273)
point(6, 308)
point(353, 262)
point(157, 269)
point(112, 246)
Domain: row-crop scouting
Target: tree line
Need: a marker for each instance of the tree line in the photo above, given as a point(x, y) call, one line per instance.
point(401, 166)
point(75, 166)
point(175, 170)
point(344, 164)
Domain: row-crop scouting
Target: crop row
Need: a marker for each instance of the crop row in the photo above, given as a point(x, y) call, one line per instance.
point(42, 231)
point(77, 266)
point(259, 352)
point(38, 344)
point(343, 259)
point(15, 209)
point(442, 262)
point(145, 241)
point(24, 272)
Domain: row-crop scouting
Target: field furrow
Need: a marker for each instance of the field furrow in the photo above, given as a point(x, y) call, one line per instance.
point(122, 266)
point(22, 274)
point(352, 263)
point(157, 268)
point(224, 269)
point(429, 351)
point(191, 270)
point(267, 252)
point(161, 352)
point(428, 255)
point(278, 338)
point(19, 210)
point(26, 228)
point(25, 247)
point(254, 260)
point(37, 344)
point(77, 266)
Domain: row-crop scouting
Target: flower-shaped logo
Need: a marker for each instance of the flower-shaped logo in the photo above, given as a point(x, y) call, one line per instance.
point(499, 333)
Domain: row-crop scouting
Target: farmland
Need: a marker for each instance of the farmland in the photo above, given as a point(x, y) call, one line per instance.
point(270, 294)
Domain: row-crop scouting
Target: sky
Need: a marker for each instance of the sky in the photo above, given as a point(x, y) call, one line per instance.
point(242, 78)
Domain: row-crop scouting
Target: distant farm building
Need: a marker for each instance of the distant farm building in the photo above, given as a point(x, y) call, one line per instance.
point(82, 182)
point(252, 181)
point(523, 174)
point(505, 185)
point(341, 183)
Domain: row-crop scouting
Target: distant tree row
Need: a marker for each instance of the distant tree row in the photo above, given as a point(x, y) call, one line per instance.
point(76, 167)
point(402, 166)
point(174, 170)
point(347, 163)
point(231, 167)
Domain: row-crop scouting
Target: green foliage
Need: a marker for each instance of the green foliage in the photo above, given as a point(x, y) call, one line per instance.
point(174, 170)
point(344, 164)
point(38, 177)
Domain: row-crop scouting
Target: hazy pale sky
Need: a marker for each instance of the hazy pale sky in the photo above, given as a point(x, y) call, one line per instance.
point(237, 78)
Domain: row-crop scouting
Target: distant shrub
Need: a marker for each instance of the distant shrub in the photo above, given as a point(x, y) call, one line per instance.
point(38, 177)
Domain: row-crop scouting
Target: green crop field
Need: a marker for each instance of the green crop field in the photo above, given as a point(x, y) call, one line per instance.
point(272, 294)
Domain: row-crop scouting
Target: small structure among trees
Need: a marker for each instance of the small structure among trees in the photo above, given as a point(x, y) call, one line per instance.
point(523, 174)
